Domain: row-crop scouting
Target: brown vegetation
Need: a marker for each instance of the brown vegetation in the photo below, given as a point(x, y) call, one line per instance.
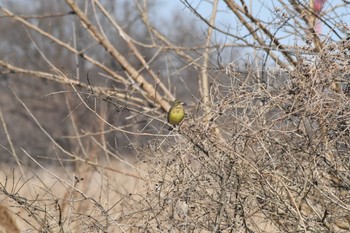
point(7, 223)
point(85, 86)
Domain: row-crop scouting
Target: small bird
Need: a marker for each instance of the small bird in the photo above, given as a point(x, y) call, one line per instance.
point(176, 113)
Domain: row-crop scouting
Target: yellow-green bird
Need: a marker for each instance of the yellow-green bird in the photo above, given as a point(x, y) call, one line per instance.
point(176, 113)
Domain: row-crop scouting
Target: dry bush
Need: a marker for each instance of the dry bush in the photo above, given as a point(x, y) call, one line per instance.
point(272, 158)
point(263, 148)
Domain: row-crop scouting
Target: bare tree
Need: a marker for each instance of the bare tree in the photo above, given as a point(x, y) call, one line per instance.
point(264, 145)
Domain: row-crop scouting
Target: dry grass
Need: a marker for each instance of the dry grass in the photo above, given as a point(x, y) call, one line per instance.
point(63, 201)
point(7, 222)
